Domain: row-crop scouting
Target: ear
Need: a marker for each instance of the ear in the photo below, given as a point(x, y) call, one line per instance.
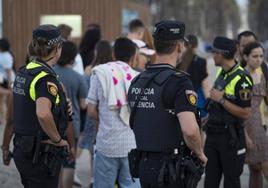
point(179, 47)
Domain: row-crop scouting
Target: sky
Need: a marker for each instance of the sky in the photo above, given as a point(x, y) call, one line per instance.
point(242, 2)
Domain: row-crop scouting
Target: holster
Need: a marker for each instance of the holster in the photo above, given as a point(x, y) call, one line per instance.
point(134, 158)
point(54, 157)
point(236, 131)
point(167, 173)
point(189, 171)
point(36, 152)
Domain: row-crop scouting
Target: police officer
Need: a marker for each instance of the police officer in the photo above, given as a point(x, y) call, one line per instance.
point(40, 112)
point(229, 104)
point(163, 105)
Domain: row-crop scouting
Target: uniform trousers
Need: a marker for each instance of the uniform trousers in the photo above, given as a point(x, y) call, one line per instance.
point(149, 169)
point(33, 175)
point(224, 159)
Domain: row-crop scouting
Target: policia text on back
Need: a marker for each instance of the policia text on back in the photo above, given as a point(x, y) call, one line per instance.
point(156, 96)
point(40, 112)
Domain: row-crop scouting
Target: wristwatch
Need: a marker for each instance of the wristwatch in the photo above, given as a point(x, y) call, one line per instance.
point(222, 100)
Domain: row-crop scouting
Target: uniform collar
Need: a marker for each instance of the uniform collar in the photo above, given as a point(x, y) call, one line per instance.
point(44, 64)
point(231, 70)
point(159, 65)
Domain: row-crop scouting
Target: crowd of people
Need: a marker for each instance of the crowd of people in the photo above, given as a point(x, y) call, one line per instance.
point(102, 90)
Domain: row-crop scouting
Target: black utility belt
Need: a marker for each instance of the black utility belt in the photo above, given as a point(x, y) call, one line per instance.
point(160, 153)
point(174, 167)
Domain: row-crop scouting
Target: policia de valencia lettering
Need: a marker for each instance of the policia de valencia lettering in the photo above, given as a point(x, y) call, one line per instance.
point(228, 106)
point(163, 106)
point(40, 112)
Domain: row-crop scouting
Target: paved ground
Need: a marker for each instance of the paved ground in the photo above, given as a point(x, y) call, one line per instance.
point(9, 178)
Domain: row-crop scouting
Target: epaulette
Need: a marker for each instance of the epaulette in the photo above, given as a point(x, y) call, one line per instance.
point(180, 73)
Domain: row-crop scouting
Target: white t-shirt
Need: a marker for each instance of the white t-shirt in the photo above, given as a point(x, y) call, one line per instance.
point(78, 64)
point(6, 63)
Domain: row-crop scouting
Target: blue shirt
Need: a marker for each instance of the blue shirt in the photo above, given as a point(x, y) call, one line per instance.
point(76, 87)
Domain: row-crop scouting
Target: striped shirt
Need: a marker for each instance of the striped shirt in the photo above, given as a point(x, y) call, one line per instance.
point(114, 138)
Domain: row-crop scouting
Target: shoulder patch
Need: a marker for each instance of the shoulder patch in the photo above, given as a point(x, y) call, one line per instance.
point(52, 88)
point(191, 97)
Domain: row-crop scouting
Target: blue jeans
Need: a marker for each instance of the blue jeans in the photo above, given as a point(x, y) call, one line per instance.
point(107, 170)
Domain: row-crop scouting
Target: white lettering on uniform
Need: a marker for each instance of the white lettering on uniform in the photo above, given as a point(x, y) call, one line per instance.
point(146, 91)
point(146, 105)
point(136, 91)
point(142, 96)
point(149, 91)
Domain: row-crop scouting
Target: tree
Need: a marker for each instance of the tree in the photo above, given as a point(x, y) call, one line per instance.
point(207, 18)
point(258, 18)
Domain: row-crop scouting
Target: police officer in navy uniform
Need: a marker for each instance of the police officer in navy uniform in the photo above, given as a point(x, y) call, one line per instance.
point(40, 112)
point(163, 105)
point(229, 104)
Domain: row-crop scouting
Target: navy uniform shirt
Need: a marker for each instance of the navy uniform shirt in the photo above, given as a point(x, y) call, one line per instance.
point(178, 93)
point(48, 86)
point(243, 89)
point(26, 121)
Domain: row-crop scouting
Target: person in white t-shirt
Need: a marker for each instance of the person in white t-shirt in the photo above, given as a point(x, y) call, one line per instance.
point(7, 75)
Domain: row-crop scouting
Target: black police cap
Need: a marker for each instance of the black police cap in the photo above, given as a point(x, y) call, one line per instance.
point(224, 45)
point(49, 32)
point(169, 30)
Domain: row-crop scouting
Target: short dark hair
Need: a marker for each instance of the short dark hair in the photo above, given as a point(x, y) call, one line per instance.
point(134, 25)
point(124, 49)
point(68, 53)
point(4, 45)
point(165, 46)
point(246, 34)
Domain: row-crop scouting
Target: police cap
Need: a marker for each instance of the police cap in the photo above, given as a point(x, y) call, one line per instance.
point(224, 45)
point(49, 32)
point(169, 30)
